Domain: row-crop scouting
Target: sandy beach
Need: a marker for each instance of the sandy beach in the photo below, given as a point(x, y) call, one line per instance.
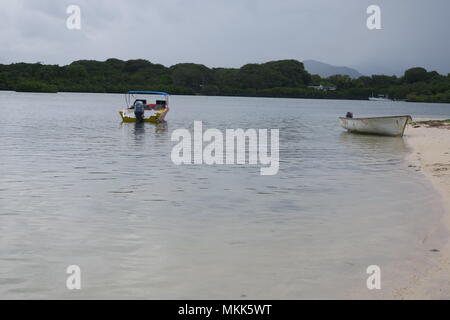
point(430, 154)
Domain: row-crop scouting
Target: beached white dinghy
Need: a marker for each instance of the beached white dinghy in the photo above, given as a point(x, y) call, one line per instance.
point(387, 126)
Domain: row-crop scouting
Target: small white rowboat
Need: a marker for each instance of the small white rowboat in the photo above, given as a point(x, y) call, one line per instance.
point(386, 126)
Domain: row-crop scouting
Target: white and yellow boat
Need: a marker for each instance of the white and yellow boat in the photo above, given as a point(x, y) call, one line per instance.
point(154, 112)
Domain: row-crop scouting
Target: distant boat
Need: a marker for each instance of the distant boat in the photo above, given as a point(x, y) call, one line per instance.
point(380, 97)
point(386, 126)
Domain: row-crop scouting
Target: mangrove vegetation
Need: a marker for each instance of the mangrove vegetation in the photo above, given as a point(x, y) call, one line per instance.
point(285, 78)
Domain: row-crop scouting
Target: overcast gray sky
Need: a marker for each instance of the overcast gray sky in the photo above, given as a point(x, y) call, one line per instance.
point(231, 33)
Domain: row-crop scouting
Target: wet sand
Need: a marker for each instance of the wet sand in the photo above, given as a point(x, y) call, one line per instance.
point(430, 146)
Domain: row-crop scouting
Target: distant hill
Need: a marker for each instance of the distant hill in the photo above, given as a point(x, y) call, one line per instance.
point(325, 70)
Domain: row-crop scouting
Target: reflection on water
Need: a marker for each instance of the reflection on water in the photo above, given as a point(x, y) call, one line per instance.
point(105, 196)
point(373, 146)
point(139, 131)
point(161, 127)
point(379, 143)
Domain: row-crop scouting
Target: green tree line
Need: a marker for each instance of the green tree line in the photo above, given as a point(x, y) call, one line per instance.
point(284, 78)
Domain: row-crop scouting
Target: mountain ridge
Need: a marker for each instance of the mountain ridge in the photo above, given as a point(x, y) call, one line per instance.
point(325, 70)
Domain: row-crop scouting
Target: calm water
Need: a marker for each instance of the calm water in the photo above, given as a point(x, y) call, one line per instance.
point(78, 187)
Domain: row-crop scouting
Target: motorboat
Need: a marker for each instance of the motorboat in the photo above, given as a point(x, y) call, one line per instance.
point(380, 98)
point(386, 126)
point(152, 113)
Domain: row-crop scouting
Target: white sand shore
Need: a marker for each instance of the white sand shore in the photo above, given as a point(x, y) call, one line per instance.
point(430, 148)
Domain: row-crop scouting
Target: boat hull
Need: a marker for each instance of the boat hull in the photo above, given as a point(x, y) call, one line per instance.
point(387, 126)
point(380, 99)
point(129, 117)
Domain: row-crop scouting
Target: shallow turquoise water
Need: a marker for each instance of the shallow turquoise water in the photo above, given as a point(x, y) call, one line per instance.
point(78, 187)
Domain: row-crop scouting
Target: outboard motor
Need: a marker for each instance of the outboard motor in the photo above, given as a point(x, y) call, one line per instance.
point(139, 110)
point(349, 115)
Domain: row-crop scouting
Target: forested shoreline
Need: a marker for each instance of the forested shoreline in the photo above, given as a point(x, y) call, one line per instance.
point(284, 78)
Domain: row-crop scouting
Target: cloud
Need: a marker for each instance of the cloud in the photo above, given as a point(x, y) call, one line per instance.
point(230, 33)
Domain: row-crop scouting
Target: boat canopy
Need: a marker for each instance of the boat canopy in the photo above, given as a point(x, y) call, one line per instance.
point(148, 92)
point(131, 94)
